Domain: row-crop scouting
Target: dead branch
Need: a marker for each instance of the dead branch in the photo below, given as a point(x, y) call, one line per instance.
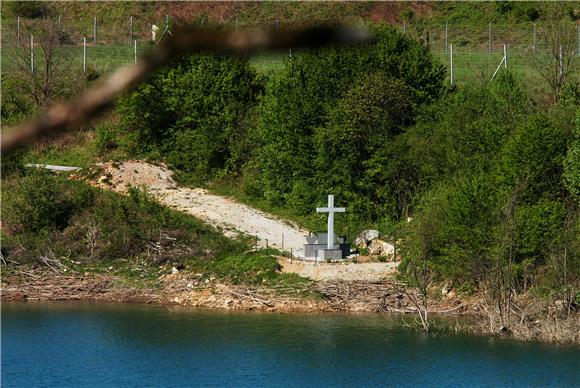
point(63, 117)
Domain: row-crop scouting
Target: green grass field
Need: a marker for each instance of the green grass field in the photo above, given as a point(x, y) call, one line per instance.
point(468, 66)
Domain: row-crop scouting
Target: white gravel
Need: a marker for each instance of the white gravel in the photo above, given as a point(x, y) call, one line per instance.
point(224, 213)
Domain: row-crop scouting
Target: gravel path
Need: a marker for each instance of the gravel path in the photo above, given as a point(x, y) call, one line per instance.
point(224, 213)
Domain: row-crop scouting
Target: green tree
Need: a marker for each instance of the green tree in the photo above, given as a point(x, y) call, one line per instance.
point(193, 113)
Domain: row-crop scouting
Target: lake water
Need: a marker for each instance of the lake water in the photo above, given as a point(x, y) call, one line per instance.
point(80, 344)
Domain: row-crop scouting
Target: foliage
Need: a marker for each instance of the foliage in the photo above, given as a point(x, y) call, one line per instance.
point(49, 213)
point(572, 163)
point(193, 112)
point(302, 108)
point(496, 178)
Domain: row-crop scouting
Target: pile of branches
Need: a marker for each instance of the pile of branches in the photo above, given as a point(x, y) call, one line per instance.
point(384, 296)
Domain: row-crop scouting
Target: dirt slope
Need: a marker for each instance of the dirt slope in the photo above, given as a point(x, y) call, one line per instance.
point(223, 213)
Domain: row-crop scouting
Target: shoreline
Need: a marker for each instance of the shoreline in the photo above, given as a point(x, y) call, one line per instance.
point(181, 289)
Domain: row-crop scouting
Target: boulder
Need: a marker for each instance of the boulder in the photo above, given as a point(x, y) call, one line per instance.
point(381, 248)
point(363, 239)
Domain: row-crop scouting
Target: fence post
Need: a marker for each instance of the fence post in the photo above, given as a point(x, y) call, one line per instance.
point(31, 54)
point(131, 29)
point(534, 38)
point(236, 24)
point(277, 25)
point(59, 27)
point(18, 30)
point(560, 63)
point(84, 53)
point(490, 39)
point(446, 38)
point(95, 30)
point(135, 49)
point(451, 63)
point(404, 26)
point(166, 20)
point(505, 55)
point(282, 241)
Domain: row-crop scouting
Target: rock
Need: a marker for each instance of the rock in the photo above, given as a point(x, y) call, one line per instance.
point(561, 306)
point(446, 288)
point(381, 248)
point(451, 294)
point(174, 271)
point(363, 239)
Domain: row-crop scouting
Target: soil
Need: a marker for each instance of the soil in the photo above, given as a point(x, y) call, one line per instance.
point(190, 289)
point(232, 218)
point(227, 215)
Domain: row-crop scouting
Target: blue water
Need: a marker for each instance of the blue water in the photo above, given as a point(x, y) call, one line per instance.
point(79, 344)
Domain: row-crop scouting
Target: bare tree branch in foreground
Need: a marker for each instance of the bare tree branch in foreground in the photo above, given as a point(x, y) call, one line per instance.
point(63, 117)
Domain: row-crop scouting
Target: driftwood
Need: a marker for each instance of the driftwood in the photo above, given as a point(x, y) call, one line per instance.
point(387, 296)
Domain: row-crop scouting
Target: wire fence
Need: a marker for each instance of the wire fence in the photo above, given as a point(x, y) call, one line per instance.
point(92, 46)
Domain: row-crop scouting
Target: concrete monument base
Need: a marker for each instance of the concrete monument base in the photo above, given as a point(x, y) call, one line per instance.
point(329, 254)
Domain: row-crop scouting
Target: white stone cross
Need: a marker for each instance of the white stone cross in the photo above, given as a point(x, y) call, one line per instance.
point(330, 210)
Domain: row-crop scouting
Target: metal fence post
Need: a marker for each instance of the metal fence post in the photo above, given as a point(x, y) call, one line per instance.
point(135, 49)
point(446, 37)
point(490, 38)
point(534, 38)
point(18, 30)
point(59, 26)
point(282, 241)
point(95, 30)
point(131, 29)
point(84, 53)
point(451, 63)
point(277, 25)
point(31, 54)
point(560, 63)
point(505, 55)
point(404, 26)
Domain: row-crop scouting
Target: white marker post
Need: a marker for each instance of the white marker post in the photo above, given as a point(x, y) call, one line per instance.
point(330, 210)
point(135, 49)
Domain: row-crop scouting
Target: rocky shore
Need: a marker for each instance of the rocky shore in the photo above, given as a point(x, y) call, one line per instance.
point(189, 290)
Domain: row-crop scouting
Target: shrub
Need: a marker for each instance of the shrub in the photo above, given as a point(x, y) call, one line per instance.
point(35, 204)
point(192, 113)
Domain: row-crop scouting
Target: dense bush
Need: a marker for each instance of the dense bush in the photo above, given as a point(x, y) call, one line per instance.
point(308, 108)
point(42, 212)
point(496, 195)
point(193, 113)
